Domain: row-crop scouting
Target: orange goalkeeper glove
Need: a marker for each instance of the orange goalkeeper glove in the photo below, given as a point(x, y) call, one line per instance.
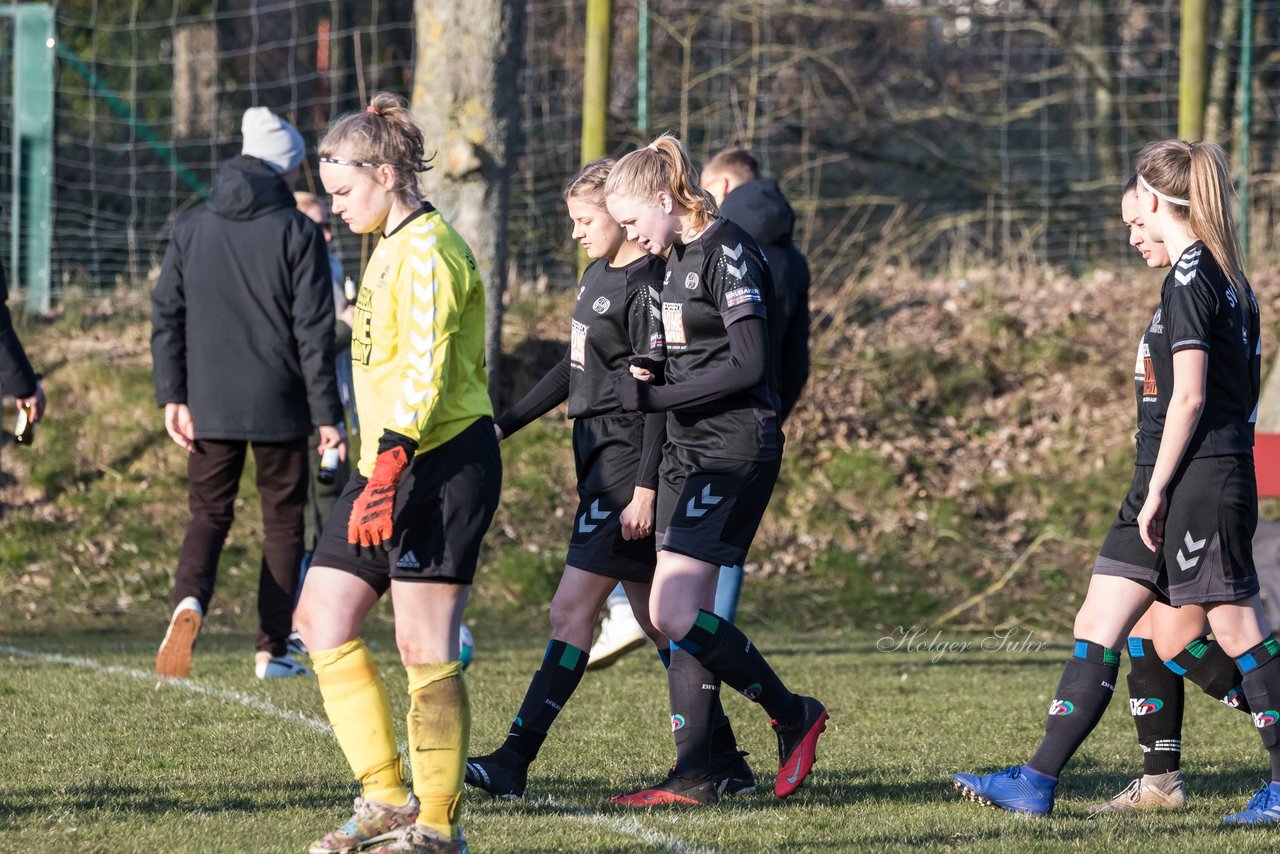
point(370, 523)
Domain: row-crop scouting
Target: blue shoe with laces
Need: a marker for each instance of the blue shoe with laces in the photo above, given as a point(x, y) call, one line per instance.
point(1263, 808)
point(1018, 789)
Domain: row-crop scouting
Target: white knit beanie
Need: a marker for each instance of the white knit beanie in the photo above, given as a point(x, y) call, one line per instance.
point(271, 139)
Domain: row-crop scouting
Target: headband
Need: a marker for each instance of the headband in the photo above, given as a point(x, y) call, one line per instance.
point(1173, 200)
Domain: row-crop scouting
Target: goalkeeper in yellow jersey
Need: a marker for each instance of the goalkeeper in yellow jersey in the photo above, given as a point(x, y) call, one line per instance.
point(411, 519)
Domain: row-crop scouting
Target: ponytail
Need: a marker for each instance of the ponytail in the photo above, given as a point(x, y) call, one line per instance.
point(663, 166)
point(1192, 179)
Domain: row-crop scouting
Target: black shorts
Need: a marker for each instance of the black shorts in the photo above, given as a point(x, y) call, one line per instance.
point(709, 508)
point(443, 507)
point(1207, 555)
point(606, 453)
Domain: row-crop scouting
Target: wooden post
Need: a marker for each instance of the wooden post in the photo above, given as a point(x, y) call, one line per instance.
point(1192, 70)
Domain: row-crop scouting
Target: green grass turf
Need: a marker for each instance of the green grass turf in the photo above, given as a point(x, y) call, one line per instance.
point(95, 758)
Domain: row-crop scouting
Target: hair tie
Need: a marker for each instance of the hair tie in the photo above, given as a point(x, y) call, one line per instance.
point(371, 110)
point(1173, 200)
point(654, 146)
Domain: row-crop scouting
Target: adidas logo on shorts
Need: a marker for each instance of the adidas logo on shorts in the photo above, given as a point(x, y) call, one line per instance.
point(408, 561)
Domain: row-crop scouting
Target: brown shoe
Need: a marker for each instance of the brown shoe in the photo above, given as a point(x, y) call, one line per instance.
point(173, 661)
point(1150, 791)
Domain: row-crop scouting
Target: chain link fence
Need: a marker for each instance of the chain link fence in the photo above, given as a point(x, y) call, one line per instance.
point(935, 132)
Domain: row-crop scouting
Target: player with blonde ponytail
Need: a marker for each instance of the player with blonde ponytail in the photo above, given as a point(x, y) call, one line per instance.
point(1184, 532)
point(724, 450)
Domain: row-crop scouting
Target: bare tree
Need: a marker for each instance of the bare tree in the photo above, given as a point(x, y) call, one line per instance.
point(465, 97)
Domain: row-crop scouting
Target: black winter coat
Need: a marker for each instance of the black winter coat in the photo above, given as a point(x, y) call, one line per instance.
point(16, 376)
point(759, 208)
point(242, 314)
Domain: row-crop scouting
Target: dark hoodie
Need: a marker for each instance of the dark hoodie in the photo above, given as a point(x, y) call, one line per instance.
point(16, 376)
point(242, 314)
point(759, 208)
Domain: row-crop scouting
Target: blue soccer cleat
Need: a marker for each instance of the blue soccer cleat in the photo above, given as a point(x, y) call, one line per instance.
point(1263, 808)
point(1018, 789)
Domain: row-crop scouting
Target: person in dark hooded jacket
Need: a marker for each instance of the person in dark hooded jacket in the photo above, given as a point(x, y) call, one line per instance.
point(757, 205)
point(17, 377)
point(242, 334)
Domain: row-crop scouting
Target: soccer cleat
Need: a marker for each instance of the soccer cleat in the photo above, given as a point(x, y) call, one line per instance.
point(267, 666)
point(500, 774)
point(296, 644)
point(1150, 791)
point(673, 791)
point(420, 839)
point(797, 746)
point(1014, 789)
point(731, 775)
point(1263, 808)
point(619, 635)
point(173, 661)
point(372, 823)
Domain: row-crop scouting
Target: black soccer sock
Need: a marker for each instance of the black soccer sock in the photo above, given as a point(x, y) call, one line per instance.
point(1215, 672)
point(1155, 700)
point(1261, 668)
point(694, 694)
point(722, 738)
point(550, 688)
point(1088, 681)
point(725, 651)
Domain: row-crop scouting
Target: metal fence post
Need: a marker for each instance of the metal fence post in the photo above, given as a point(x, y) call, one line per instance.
point(33, 150)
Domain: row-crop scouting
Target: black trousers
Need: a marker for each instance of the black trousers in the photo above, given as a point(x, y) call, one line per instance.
point(214, 473)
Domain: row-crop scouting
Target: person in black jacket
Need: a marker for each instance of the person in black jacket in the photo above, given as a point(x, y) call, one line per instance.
point(17, 378)
point(242, 339)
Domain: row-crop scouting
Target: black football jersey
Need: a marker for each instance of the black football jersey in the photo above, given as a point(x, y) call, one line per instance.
point(616, 317)
point(1199, 309)
point(711, 282)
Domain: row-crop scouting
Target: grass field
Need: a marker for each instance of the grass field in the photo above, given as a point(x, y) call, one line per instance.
point(96, 758)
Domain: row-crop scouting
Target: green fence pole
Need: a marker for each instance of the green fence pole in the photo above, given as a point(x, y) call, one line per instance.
point(32, 210)
point(595, 86)
point(1192, 70)
point(1246, 119)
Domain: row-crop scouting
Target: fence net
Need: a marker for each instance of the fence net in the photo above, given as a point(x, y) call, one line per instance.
point(927, 131)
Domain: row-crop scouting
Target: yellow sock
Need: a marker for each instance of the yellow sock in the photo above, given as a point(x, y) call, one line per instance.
point(356, 703)
point(439, 732)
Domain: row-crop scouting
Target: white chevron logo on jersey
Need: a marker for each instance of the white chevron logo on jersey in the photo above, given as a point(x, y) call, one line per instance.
point(693, 510)
point(597, 515)
point(735, 253)
point(1193, 546)
point(738, 271)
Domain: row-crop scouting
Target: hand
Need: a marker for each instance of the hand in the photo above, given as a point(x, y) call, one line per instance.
point(332, 437)
point(178, 423)
point(633, 395)
point(1151, 520)
point(34, 404)
point(642, 374)
point(370, 523)
point(497, 431)
point(637, 517)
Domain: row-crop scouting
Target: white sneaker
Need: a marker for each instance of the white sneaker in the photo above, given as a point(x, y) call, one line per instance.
point(267, 666)
point(173, 661)
point(619, 635)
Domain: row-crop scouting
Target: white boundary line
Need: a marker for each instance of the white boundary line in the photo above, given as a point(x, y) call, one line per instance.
point(619, 824)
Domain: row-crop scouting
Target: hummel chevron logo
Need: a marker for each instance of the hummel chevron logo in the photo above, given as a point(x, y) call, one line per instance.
point(1184, 278)
point(597, 515)
point(1193, 546)
point(734, 253)
point(708, 500)
point(738, 271)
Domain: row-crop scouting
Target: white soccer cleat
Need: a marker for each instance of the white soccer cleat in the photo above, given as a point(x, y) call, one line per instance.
point(267, 666)
point(173, 661)
point(619, 635)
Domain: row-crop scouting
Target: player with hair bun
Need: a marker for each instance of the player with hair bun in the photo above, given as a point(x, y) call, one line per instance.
point(412, 517)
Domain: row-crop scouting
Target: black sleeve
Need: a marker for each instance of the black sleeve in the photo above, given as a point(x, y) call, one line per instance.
point(655, 436)
point(16, 375)
point(313, 322)
point(1189, 310)
point(169, 329)
point(745, 368)
point(549, 392)
point(644, 322)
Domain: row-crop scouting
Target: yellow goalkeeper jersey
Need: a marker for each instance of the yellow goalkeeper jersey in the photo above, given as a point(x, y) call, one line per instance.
point(417, 347)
